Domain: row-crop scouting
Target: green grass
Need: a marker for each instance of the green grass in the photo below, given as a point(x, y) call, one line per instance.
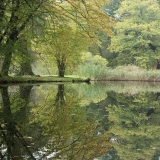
point(38, 79)
point(88, 72)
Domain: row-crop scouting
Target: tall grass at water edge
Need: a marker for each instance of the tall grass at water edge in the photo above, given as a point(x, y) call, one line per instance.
point(91, 71)
point(130, 73)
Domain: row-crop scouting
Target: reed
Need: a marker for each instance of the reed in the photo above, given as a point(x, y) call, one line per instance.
point(121, 73)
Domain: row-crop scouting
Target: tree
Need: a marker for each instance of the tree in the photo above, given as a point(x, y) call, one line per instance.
point(104, 39)
point(22, 58)
point(112, 6)
point(14, 17)
point(136, 28)
point(66, 37)
point(29, 18)
point(65, 44)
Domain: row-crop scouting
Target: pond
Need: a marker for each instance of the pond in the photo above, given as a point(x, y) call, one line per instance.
point(101, 121)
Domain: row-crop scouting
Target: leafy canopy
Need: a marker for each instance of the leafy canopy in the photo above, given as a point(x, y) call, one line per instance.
point(136, 27)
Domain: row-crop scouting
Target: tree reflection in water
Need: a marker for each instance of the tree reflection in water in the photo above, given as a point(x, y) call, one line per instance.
point(55, 126)
point(65, 122)
point(134, 124)
point(12, 138)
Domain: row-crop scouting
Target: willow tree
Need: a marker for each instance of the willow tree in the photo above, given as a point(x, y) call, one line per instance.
point(137, 26)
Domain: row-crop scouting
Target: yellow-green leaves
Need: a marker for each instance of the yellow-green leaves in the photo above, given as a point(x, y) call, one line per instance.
point(137, 26)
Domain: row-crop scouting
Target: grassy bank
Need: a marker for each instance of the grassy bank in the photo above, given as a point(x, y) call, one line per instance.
point(132, 73)
point(93, 73)
point(121, 73)
point(39, 79)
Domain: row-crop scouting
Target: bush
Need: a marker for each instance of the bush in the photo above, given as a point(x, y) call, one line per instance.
point(91, 71)
point(88, 58)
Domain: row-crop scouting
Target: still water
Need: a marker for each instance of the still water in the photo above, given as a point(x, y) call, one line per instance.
point(101, 121)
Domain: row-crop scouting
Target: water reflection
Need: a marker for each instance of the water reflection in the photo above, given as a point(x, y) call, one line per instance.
point(135, 122)
point(49, 121)
point(13, 143)
point(80, 122)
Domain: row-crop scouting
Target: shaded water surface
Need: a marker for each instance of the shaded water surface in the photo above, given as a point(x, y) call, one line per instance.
point(80, 122)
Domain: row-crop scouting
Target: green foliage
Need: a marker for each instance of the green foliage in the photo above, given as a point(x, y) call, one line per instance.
point(92, 66)
point(64, 27)
point(112, 6)
point(92, 71)
point(64, 44)
point(88, 58)
point(136, 27)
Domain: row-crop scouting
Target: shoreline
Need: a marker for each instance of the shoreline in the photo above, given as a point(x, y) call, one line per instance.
point(72, 79)
point(40, 79)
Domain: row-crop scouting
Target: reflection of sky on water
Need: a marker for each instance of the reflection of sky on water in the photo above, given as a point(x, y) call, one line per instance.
point(41, 154)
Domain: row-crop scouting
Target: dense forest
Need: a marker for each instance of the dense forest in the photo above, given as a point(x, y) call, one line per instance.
point(62, 36)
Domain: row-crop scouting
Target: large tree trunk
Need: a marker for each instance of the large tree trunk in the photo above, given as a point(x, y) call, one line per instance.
point(6, 64)
point(10, 48)
point(11, 33)
point(26, 68)
point(158, 64)
point(11, 38)
point(61, 69)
